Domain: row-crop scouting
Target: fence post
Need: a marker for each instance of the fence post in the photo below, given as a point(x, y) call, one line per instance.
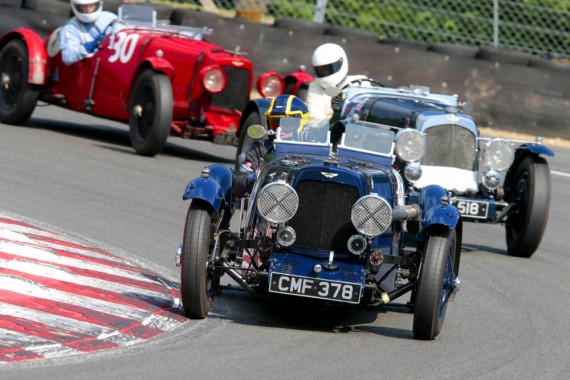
point(496, 23)
point(320, 11)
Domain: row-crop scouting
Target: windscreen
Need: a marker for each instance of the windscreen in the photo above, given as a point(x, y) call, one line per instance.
point(369, 138)
point(293, 129)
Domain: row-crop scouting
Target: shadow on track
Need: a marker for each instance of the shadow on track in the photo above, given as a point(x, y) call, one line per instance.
point(284, 312)
point(119, 138)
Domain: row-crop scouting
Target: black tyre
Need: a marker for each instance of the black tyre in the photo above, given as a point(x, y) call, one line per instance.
point(435, 284)
point(531, 195)
point(18, 98)
point(245, 142)
point(198, 284)
point(151, 113)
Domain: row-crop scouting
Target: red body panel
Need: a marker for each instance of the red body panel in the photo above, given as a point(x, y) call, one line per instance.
point(36, 53)
point(298, 78)
point(105, 80)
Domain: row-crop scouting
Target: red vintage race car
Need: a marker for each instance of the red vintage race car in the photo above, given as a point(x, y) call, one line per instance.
point(161, 79)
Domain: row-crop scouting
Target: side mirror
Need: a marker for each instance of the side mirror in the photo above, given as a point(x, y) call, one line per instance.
point(256, 131)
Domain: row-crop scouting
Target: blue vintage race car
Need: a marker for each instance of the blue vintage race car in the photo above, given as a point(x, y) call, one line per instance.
point(490, 180)
point(328, 218)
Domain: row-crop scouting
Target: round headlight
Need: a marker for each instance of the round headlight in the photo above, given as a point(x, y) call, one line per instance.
point(371, 215)
point(413, 171)
point(499, 154)
point(491, 179)
point(213, 79)
point(270, 85)
point(286, 236)
point(277, 202)
point(410, 145)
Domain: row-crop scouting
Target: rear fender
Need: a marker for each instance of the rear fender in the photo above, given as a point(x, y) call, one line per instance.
point(36, 52)
point(214, 188)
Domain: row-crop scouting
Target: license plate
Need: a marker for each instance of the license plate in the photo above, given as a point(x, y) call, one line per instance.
point(315, 288)
point(471, 208)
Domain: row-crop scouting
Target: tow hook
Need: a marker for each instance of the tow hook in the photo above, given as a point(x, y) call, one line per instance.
point(178, 255)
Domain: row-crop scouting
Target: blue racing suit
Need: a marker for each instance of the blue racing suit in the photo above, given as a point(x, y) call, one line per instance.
point(79, 40)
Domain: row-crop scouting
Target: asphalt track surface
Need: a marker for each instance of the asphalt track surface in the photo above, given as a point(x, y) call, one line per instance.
point(77, 175)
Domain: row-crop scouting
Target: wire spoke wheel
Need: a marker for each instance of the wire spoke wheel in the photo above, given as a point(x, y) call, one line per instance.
point(199, 279)
point(18, 98)
point(531, 194)
point(435, 284)
point(151, 113)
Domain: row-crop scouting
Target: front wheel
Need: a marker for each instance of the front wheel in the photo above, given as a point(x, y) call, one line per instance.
point(198, 281)
point(531, 194)
point(245, 142)
point(150, 113)
point(435, 284)
point(18, 98)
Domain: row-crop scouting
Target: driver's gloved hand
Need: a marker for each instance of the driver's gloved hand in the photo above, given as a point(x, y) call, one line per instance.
point(92, 46)
point(250, 181)
point(336, 101)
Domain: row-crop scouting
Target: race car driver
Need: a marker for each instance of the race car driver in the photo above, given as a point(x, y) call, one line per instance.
point(325, 93)
point(281, 106)
point(81, 36)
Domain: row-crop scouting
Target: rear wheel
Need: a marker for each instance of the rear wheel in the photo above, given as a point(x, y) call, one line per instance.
point(18, 98)
point(199, 283)
point(150, 113)
point(245, 142)
point(435, 284)
point(531, 194)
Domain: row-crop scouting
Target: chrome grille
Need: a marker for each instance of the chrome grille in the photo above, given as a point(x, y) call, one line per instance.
point(451, 146)
point(322, 221)
point(236, 93)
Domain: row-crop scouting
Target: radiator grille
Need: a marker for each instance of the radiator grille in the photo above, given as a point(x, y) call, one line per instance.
point(450, 146)
point(322, 222)
point(236, 93)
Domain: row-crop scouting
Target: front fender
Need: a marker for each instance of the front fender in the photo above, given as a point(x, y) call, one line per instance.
point(258, 106)
point(37, 53)
point(537, 149)
point(521, 153)
point(296, 79)
point(215, 188)
point(436, 211)
point(162, 65)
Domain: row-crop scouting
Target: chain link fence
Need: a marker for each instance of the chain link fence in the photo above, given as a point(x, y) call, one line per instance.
point(540, 27)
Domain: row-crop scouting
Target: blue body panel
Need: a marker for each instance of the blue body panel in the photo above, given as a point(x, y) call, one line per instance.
point(433, 211)
point(214, 189)
point(538, 149)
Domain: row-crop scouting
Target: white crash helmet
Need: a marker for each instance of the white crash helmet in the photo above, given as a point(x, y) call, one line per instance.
point(330, 65)
point(77, 7)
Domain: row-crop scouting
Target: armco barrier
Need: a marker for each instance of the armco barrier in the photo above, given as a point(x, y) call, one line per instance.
point(510, 91)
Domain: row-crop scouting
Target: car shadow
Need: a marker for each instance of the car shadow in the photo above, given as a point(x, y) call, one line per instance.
point(118, 138)
point(468, 248)
point(306, 314)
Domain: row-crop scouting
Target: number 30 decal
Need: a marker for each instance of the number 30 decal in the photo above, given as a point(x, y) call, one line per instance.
point(124, 47)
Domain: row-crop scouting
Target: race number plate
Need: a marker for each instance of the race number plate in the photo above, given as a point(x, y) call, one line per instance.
point(315, 288)
point(471, 208)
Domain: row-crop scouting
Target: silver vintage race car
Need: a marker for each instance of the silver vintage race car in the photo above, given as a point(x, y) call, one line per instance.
point(490, 180)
